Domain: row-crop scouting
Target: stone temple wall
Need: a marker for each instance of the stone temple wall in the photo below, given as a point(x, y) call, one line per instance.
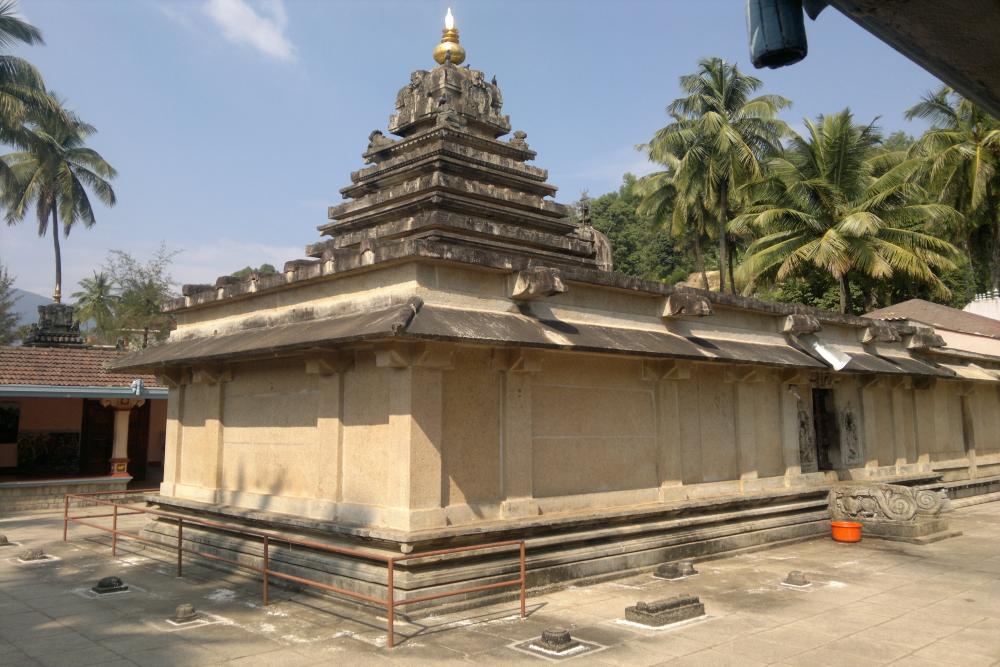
point(407, 446)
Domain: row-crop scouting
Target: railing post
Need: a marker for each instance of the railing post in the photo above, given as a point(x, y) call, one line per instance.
point(180, 542)
point(114, 532)
point(265, 569)
point(65, 515)
point(390, 604)
point(522, 579)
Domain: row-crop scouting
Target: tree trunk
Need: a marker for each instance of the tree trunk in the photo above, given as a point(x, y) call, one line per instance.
point(723, 241)
point(966, 246)
point(845, 295)
point(732, 274)
point(995, 263)
point(57, 293)
point(699, 261)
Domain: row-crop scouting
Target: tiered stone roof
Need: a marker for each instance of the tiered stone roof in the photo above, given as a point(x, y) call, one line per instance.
point(450, 178)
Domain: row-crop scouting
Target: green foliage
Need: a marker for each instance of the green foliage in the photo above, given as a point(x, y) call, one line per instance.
point(640, 248)
point(52, 176)
point(960, 159)
point(22, 91)
point(97, 303)
point(141, 289)
point(898, 141)
point(833, 203)
point(262, 270)
point(9, 330)
point(716, 143)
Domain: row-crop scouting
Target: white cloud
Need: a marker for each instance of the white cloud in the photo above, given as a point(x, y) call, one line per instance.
point(258, 24)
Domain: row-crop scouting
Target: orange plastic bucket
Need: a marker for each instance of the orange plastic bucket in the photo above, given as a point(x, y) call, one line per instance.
point(845, 531)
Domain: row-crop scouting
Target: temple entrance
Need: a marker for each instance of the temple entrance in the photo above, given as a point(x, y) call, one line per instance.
point(827, 436)
point(98, 435)
point(96, 438)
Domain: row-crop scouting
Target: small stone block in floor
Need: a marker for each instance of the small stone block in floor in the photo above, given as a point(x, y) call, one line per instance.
point(665, 612)
point(556, 644)
point(110, 585)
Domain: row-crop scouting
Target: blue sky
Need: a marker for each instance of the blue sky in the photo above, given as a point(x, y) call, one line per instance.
point(234, 123)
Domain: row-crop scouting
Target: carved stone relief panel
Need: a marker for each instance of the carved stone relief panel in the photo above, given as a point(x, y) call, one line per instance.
point(850, 437)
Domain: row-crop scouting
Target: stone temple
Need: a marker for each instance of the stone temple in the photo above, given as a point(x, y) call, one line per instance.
point(456, 362)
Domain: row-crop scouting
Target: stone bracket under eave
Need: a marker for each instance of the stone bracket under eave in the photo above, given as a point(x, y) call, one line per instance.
point(173, 377)
point(207, 374)
point(440, 356)
point(211, 374)
point(329, 362)
point(666, 370)
point(517, 360)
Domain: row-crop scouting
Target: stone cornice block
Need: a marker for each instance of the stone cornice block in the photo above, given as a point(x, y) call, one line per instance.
point(685, 303)
point(880, 332)
point(924, 338)
point(537, 282)
point(800, 323)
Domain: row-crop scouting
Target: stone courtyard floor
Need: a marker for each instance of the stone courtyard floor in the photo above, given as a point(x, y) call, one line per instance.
point(871, 603)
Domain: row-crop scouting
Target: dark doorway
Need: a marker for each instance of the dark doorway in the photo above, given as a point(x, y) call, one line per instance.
point(96, 438)
point(827, 436)
point(138, 442)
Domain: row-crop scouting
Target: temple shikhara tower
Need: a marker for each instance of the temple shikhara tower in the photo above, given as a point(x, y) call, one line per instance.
point(456, 361)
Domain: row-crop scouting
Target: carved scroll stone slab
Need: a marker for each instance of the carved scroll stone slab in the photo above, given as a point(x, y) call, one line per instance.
point(665, 612)
point(892, 511)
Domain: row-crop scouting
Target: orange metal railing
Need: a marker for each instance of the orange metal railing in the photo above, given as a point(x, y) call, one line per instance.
point(268, 538)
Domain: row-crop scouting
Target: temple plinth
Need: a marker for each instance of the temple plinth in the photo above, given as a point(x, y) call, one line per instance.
point(455, 362)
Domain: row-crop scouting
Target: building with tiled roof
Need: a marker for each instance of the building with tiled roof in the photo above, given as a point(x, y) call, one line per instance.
point(66, 419)
point(68, 372)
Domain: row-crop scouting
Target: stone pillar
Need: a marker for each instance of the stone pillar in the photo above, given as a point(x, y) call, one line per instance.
point(119, 453)
point(518, 367)
point(330, 368)
point(874, 447)
point(746, 386)
point(793, 393)
point(668, 376)
point(176, 381)
point(415, 416)
point(210, 475)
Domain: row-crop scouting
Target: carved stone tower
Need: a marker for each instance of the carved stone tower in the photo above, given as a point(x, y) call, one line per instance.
point(450, 179)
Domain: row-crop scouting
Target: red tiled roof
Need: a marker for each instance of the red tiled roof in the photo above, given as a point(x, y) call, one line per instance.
point(939, 317)
point(64, 367)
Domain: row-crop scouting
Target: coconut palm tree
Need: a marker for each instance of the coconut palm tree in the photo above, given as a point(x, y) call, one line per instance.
point(52, 176)
point(22, 91)
point(725, 134)
point(824, 206)
point(961, 154)
point(675, 199)
point(96, 302)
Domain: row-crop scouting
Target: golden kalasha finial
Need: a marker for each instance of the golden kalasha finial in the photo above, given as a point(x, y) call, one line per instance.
point(449, 43)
